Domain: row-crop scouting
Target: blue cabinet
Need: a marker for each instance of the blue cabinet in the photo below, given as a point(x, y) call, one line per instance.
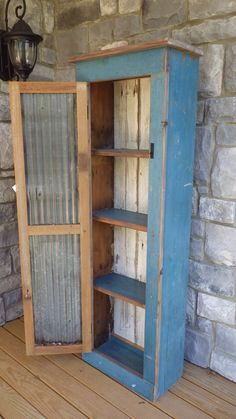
point(171, 69)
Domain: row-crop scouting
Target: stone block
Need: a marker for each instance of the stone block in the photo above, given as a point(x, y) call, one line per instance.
point(196, 248)
point(47, 56)
point(65, 74)
point(71, 42)
point(217, 210)
point(108, 7)
point(100, 33)
point(49, 41)
point(129, 6)
point(9, 283)
point(212, 278)
point(164, 13)
point(220, 244)
point(226, 134)
point(126, 26)
point(208, 31)
point(15, 258)
point(6, 153)
point(73, 15)
point(197, 228)
point(191, 307)
point(8, 235)
point(4, 108)
point(224, 174)
point(2, 312)
point(211, 70)
point(13, 304)
point(216, 309)
point(7, 213)
point(200, 111)
point(5, 263)
point(9, 173)
point(226, 339)
point(4, 86)
point(195, 201)
point(6, 192)
point(42, 72)
point(203, 189)
point(220, 109)
point(224, 364)
point(230, 70)
point(115, 44)
point(203, 155)
point(198, 347)
point(203, 9)
point(150, 36)
point(204, 325)
point(48, 15)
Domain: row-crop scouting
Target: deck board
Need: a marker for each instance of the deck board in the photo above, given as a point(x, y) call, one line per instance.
point(195, 396)
point(13, 405)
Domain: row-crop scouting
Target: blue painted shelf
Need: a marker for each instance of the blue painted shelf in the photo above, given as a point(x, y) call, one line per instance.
point(122, 218)
point(123, 287)
point(123, 353)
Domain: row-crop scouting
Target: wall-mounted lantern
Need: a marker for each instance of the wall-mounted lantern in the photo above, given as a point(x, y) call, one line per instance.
point(18, 47)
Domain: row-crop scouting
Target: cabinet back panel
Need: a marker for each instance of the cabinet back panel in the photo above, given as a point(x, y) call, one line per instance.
point(131, 122)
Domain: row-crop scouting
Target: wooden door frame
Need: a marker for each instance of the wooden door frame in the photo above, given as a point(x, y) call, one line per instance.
point(84, 228)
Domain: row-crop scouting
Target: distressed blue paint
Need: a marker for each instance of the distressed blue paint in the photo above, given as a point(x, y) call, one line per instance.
point(154, 222)
point(121, 66)
point(123, 285)
point(118, 373)
point(179, 177)
point(123, 353)
point(178, 185)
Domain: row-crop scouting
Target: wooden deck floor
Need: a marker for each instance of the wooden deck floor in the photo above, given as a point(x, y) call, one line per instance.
point(66, 387)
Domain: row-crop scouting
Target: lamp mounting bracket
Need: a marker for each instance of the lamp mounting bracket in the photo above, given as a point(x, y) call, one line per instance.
point(18, 11)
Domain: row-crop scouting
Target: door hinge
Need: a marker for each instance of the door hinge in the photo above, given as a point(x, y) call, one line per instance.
point(151, 150)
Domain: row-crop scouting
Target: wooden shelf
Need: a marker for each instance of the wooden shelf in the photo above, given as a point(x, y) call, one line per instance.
point(121, 152)
point(122, 218)
point(123, 287)
point(121, 352)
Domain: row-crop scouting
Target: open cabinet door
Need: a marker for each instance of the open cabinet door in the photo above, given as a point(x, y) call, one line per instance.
point(51, 142)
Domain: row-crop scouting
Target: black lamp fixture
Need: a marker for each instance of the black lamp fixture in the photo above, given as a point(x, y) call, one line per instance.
point(18, 47)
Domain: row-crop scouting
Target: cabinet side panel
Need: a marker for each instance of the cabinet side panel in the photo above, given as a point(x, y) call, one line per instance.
point(102, 135)
point(183, 78)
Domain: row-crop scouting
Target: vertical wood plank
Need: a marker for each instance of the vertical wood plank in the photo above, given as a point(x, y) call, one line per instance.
point(21, 197)
point(85, 210)
point(125, 242)
point(143, 172)
point(102, 135)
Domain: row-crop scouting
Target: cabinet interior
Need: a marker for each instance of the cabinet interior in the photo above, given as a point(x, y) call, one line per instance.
point(120, 115)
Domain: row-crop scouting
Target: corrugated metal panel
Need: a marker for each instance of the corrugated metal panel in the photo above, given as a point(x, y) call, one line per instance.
point(50, 158)
point(55, 271)
point(52, 189)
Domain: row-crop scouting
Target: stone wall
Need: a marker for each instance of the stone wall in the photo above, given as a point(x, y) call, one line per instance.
point(85, 25)
point(40, 15)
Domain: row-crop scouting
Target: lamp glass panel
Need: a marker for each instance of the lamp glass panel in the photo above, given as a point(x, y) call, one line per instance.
point(23, 53)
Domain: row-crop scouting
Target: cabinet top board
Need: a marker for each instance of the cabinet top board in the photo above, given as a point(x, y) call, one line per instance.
point(159, 43)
